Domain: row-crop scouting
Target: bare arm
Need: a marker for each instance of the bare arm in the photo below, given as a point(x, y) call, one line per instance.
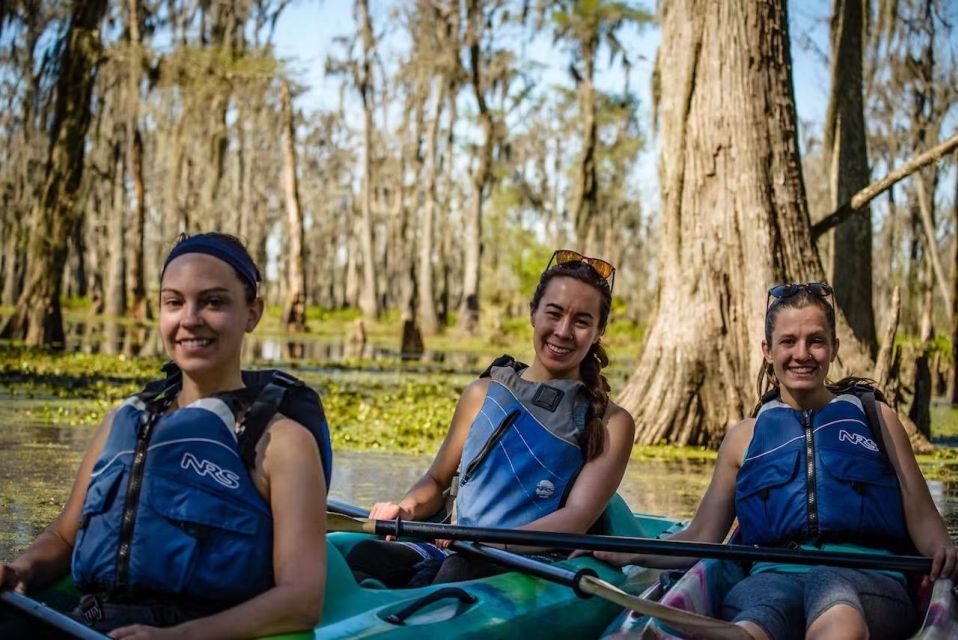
point(48, 558)
point(715, 512)
point(425, 497)
point(925, 525)
point(297, 495)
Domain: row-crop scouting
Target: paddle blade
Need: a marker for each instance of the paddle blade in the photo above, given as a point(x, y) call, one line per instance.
point(339, 522)
point(685, 621)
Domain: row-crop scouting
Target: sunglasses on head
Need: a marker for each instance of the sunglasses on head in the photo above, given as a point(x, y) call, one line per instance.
point(782, 291)
point(567, 256)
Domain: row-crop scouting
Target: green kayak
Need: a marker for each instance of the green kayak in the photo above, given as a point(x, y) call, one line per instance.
point(509, 604)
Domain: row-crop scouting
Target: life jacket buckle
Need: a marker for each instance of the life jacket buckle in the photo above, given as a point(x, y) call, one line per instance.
point(90, 609)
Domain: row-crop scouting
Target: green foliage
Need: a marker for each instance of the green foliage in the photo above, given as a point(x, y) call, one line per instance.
point(408, 415)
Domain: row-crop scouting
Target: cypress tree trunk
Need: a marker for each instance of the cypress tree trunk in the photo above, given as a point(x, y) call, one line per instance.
point(734, 221)
point(294, 313)
point(37, 317)
point(845, 141)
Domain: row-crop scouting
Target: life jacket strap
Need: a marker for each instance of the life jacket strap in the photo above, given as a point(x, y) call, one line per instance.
point(264, 407)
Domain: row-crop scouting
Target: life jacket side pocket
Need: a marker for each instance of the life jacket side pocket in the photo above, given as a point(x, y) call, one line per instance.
point(765, 496)
point(94, 549)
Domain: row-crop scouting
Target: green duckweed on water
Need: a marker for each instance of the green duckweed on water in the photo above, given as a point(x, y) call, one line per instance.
point(385, 404)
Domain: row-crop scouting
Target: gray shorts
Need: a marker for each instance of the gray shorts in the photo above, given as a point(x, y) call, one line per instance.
point(785, 604)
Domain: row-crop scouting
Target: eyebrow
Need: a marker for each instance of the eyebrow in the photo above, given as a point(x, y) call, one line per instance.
point(559, 307)
point(203, 292)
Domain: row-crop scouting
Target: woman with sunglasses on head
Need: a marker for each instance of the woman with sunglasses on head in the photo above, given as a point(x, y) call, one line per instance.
point(540, 448)
point(811, 471)
point(198, 510)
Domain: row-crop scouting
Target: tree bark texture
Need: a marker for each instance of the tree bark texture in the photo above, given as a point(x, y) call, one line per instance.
point(428, 318)
point(115, 290)
point(954, 302)
point(369, 296)
point(472, 241)
point(138, 307)
point(845, 142)
point(37, 317)
point(734, 221)
point(294, 312)
point(585, 190)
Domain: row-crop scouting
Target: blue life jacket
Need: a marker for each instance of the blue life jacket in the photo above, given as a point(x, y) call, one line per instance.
point(818, 476)
point(171, 508)
point(522, 453)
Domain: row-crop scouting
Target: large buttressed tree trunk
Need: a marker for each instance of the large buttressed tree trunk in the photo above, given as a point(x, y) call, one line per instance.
point(848, 171)
point(734, 220)
point(37, 316)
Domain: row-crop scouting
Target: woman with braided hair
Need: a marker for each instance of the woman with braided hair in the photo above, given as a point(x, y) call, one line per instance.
point(538, 447)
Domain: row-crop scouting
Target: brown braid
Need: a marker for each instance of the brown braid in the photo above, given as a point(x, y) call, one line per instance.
point(590, 369)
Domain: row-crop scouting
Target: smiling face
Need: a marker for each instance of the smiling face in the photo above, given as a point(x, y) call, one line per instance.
point(203, 316)
point(565, 326)
point(801, 350)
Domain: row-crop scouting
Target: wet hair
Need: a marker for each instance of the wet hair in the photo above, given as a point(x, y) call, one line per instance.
point(590, 369)
point(225, 247)
point(767, 381)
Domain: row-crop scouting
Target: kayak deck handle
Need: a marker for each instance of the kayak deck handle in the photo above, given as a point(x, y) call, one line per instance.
point(399, 618)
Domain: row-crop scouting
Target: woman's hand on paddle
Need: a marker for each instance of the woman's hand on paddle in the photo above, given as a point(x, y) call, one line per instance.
point(944, 564)
point(618, 559)
point(13, 578)
point(388, 511)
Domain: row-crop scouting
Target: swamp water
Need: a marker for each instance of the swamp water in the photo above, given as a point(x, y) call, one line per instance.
point(38, 463)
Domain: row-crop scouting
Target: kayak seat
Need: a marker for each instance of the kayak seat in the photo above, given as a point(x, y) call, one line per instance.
point(372, 583)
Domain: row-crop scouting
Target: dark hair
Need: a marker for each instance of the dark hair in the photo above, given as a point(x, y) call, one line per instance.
point(236, 249)
point(799, 300)
point(593, 438)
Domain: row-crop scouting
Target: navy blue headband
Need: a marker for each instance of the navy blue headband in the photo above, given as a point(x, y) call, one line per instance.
point(214, 246)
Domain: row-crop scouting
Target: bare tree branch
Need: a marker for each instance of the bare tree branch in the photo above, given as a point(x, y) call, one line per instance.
point(872, 191)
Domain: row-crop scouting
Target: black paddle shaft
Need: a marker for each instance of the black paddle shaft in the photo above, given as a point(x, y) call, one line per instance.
point(498, 556)
point(569, 542)
point(42, 613)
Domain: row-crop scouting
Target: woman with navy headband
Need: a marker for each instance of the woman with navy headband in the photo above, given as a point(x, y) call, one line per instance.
point(199, 506)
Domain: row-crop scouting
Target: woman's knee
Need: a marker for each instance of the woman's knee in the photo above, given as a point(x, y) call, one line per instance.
point(841, 621)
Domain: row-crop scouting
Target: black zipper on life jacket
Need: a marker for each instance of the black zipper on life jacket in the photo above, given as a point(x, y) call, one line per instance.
point(143, 435)
point(486, 448)
point(810, 474)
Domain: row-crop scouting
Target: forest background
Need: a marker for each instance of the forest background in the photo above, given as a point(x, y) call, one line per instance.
point(411, 175)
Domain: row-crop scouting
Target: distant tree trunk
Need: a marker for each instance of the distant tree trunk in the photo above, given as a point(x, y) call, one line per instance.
point(472, 240)
point(731, 225)
point(139, 309)
point(351, 286)
point(294, 313)
point(115, 291)
point(585, 189)
point(429, 319)
point(37, 317)
point(369, 296)
point(920, 410)
point(954, 302)
point(845, 143)
point(14, 264)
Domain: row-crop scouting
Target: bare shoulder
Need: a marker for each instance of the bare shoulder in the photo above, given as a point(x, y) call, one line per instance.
point(476, 390)
point(616, 417)
point(889, 416)
point(736, 441)
point(285, 432)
